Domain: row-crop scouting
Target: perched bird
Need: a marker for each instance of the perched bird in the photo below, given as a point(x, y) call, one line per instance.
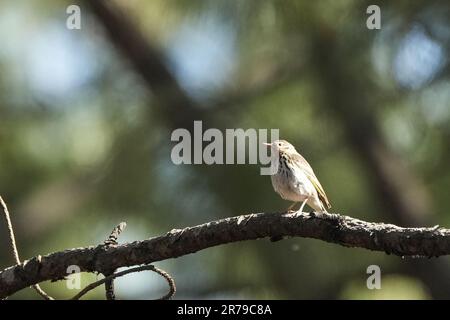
point(295, 179)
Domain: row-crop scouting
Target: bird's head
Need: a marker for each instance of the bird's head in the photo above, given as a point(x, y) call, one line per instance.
point(281, 146)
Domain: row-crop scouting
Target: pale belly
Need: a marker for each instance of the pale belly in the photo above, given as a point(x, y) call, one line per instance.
point(293, 187)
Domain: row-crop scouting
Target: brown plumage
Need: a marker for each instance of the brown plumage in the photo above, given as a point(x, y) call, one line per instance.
point(295, 179)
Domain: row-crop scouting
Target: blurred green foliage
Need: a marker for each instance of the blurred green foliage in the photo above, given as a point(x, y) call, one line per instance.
point(84, 144)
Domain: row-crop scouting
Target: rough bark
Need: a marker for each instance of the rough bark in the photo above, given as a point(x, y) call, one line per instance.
point(333, 228)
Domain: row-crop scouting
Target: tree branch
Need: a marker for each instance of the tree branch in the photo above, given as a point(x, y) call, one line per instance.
point(12, 240)
point(165, 275)
point(351, 95)
point(333, 228)
point(111, 241)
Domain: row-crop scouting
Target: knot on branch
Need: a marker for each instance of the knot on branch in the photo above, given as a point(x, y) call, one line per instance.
point(30, 269)
point(110, 275)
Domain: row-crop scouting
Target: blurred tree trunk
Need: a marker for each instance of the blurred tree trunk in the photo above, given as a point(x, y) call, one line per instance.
point(346, 94)
point(148, 62)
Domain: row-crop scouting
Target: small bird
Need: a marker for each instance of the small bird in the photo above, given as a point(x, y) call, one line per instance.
point(295, 179)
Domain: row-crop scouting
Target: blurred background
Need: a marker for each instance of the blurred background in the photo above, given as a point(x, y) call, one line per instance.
point(86, 117)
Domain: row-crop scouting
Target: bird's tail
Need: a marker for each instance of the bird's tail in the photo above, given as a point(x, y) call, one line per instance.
point(317, 205)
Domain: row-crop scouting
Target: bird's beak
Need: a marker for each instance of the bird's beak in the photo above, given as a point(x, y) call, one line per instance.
point(267, 144)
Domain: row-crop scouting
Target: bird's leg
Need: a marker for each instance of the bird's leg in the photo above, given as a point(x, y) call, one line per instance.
point(302, 206)
point(291, 206)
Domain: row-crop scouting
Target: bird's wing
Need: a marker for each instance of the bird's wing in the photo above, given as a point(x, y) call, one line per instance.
point(322, 196)
point(304, 165)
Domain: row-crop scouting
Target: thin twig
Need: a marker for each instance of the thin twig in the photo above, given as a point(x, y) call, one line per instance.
point(42, 293)
point(12, 240)
point(115, 233)
point(112, 240)
point(170, 282)
point(122, 273)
